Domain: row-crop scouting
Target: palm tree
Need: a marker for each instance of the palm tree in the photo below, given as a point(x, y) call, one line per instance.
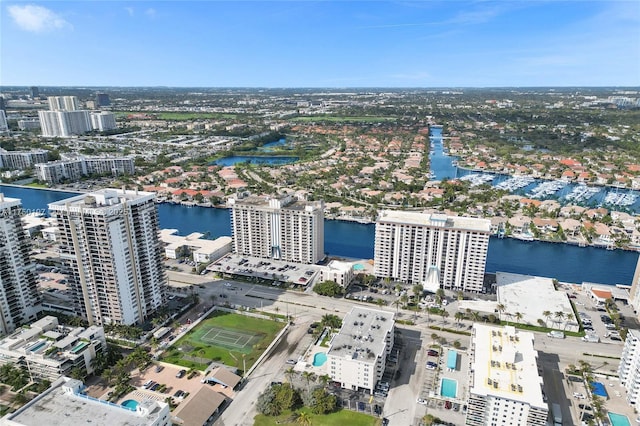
point(309, 377)
point(324, 379)
point(444, 314)
point(518, 316)
point(439, 296)
point(475, 316)
point(304, 418)
point(501, 308)
point(459, 316)
point(418, 289)
point(570, 318)
point(546, 315)
point(559, 316)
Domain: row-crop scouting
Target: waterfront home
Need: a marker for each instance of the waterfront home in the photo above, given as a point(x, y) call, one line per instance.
point(519, 224)
point(572, 211)
point(571, 227)
point(545, 225)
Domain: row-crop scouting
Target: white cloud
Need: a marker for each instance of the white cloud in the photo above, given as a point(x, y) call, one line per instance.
point(37, 19)
point(151, 13)
point(129, 10)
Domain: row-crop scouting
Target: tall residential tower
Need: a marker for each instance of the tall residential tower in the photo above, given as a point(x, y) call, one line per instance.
point(283, 228)
point(19, 297)
point(434, 250)
point(109, 239)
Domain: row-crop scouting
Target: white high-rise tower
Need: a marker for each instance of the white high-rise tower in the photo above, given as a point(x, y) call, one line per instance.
point(434, 250)
point(109, 240)
point(19, 297)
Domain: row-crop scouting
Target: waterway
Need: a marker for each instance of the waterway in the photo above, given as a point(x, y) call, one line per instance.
point(260, 159)
point(355, 240)
point(443, 167)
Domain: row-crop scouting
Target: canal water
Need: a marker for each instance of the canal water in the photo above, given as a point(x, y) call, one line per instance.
point(355, 240)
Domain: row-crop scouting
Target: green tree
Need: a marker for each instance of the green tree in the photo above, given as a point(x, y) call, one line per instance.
point(329, 288)
point(332, 321)
point(304, 419)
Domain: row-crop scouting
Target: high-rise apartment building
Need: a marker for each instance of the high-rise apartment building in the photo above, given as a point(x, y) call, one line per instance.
point(102, 121)
point(434, 250)
point(73, 169)
point(64, 123)
point(283, 228)
point(109, 240)
point(20, 160)
point(505, 388)
point(63, 103)
point(629, 368)
point(19, 297)
point(102, 100)
point(634, 293)
point(4, 126)
point(35, 92)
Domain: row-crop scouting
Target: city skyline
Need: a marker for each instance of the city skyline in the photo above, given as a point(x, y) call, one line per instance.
point(321, 44)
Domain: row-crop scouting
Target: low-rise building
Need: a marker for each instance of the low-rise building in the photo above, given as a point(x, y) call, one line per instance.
point(204, 251)
point(65, 403)
point(47, 350)
point(337, 271)
point(357, 354)
point(505, 387)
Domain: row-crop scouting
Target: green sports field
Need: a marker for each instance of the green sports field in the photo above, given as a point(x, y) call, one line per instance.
point(223, 337)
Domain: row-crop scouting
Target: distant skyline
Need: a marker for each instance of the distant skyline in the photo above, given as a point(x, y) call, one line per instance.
point(320, 44)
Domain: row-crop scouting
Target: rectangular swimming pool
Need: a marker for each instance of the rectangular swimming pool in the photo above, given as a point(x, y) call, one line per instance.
point(618, 419)
point(448, 387)
point(452, 359)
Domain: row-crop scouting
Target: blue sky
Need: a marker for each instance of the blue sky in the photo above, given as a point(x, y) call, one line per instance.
point(320, 44)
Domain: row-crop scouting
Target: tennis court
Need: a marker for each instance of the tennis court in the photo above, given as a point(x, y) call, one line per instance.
point(232, 339)
point(229, 338)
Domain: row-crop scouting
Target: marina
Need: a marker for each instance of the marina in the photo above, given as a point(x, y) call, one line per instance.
point(477, 179)
point(515, 183)
point(547, 189)
point(581, 193)
point(623, 199)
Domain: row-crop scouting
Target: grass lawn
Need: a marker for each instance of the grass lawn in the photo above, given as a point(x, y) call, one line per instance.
point(37, 185)
point(332, 118)
point(340, 418)
point(223, 337)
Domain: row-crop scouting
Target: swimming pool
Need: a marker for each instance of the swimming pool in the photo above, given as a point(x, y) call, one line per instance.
point(358, 267)
point(618, 419)
point(319, 359)
point(131, 404)
point(37, 346)
point(448, 387)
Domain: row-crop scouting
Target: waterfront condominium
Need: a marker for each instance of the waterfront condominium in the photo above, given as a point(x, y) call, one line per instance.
point(629, 368)
point(19, 297)
point(435, 250)
point(283, 228)
point(109, 240)
point(634, 294)
point(505, 388)
point(357, 355)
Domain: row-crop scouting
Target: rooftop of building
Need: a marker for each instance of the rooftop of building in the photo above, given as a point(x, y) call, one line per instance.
point(531, 296)
point(173, 241)
point(63, 403)
point(6, 202)
point(198, 407)
point(434, 220)
point(102, 201)
point(362, 335)
point(47, 340)
point(504, 364)
point(285, 202)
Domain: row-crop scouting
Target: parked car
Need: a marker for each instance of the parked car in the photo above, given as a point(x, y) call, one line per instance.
point(159, 368)
point(421, 401)
point(155, 386)
point(148, 384)
point(377, 409)
point(291, 362)
point(180, 374)
point(360, 406)
point(432, 352)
